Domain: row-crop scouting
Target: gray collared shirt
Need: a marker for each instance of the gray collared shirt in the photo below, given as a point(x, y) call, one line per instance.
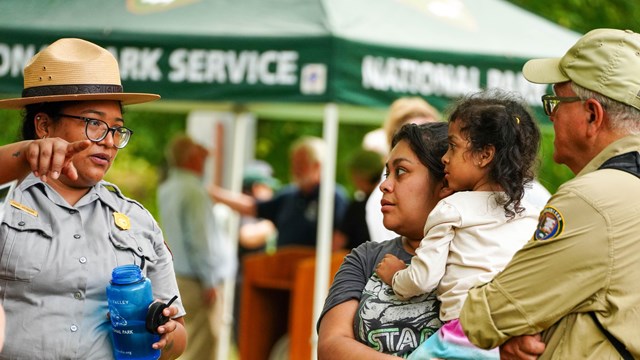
point(56, 262)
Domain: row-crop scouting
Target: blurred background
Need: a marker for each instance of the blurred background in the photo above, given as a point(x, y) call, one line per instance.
point(141, 164)
point(277, 116)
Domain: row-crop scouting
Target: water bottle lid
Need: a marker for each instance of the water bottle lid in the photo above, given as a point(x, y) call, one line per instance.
point(126, 274)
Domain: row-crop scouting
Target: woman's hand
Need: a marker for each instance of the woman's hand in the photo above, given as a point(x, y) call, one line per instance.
point(388, 266)
point(167, 328)
point(50, 157)
point(173, 336)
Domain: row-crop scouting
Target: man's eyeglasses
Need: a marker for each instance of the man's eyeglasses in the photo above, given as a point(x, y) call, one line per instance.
point(549, 102)
point(96, 130)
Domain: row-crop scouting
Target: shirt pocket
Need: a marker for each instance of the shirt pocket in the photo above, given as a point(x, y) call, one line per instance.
point(24, 247)
point(132, 248)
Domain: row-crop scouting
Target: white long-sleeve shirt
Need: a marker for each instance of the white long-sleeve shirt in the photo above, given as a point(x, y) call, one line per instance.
point(468, 241)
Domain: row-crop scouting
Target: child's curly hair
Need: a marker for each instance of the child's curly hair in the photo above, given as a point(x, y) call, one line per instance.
point(500, 119)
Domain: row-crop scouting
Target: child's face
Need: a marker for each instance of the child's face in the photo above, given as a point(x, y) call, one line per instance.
point(461, 165)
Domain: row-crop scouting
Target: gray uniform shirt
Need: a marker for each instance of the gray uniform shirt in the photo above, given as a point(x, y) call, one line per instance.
point(56, 262)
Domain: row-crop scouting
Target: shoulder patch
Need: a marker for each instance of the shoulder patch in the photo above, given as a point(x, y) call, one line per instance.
point(550, 224)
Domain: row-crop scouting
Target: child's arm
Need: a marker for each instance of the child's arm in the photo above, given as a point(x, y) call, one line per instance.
point(388, 266)
point(429, 264)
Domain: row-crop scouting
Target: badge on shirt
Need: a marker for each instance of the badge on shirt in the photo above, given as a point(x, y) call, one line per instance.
point(24, 208)
point(550, 224)
point(122, 221)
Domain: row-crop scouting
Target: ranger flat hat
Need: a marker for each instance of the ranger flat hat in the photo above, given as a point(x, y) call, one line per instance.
point(73, 70)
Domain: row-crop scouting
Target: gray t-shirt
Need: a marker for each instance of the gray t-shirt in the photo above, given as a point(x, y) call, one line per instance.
point(383, 321)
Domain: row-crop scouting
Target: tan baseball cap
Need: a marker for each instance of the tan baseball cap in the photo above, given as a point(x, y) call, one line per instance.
point(73, 69)
point(606, 61)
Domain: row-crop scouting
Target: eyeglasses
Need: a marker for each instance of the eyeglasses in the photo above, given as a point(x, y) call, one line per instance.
point(96, 130)
point(549, 102)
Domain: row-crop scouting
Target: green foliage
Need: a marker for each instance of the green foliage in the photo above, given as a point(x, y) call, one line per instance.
point(152, 131)
point(11, 121)
point(550, 174)
point(585, 15)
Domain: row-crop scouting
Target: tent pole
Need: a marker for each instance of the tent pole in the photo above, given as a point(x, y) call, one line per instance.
point(239, 137)
point(325, 219)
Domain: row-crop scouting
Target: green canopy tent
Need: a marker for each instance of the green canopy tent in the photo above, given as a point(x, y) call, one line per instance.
point(357, 52)
point(322, 59)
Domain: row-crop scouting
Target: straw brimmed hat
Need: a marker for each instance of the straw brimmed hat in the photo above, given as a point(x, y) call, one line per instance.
point(71, 70)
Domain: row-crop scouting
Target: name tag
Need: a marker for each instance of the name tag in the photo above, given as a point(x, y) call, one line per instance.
point(24, 208)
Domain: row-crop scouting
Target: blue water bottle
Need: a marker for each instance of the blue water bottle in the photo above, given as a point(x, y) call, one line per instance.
point(129, 296)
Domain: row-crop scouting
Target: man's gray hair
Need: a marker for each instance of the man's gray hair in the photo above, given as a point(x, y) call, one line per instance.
point(624, 119)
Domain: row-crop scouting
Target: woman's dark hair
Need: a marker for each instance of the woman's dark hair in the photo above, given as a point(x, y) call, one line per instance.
point(50, 108)
point(428, 141)
point(500, 119)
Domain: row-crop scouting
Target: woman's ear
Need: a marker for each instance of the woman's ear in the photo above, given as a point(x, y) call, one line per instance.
point(42, 123)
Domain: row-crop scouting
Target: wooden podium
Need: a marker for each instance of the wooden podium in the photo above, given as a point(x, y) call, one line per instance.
point(277, 298)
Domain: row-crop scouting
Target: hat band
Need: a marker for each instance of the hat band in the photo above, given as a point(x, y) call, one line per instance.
point(71, 90)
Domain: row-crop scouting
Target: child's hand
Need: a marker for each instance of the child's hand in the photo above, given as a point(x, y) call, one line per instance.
point(388, 267)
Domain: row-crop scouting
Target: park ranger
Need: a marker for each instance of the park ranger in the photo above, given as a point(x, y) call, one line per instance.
point(575, 283)
point(66, 227)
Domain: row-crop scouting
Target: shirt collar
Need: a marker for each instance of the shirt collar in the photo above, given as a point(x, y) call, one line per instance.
point(103, 191)
point(618, 147)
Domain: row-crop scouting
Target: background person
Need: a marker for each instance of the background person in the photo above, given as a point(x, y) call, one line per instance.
point(294, 208)
point(364, 167)
point(362, 317)
point(201, 256)
point(257, 234)
point(471, 235)
point(580, 268)
point(68, 228)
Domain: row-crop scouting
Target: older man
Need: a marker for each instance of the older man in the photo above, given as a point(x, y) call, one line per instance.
point(576, 281)
point(201, 253)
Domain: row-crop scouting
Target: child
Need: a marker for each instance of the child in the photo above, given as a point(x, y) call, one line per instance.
point(472, 234)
